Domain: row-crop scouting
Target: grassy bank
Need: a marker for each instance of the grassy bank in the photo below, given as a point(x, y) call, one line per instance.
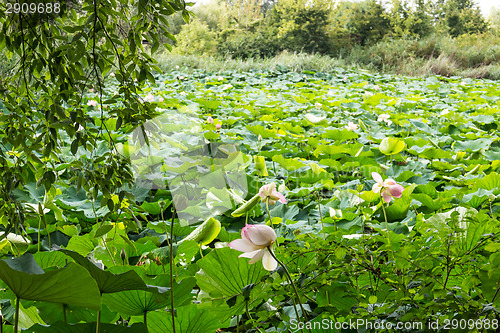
point(475, 56)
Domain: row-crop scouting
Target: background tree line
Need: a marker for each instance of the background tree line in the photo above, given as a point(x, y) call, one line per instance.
point(264, 28)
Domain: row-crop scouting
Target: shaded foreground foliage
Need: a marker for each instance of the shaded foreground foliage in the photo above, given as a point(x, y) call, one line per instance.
point(440, 263)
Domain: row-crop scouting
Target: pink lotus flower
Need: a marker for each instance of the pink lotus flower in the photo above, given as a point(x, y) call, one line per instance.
point(218, 126)
point(383, 117)
point(210, 120)
point(150, 98)
point(389, 189)
point(256, 243)
point(161, 99)
point(92, 102)
point(351, 126)
point(269, 193)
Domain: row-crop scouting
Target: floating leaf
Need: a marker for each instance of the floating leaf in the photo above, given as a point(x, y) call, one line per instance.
point(390, 146)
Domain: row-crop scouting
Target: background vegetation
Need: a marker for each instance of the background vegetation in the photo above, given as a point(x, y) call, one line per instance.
point(411, 37)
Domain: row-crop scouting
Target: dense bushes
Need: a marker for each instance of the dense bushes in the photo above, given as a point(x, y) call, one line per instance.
point(249, 28)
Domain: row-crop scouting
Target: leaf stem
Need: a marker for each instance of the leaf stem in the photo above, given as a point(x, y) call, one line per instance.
point(385, 218)
point(249, 316)
point(146, 320)
point(172, 270)
point(321, 216)
point(16, 320)
point(293, 285)
point(98, 324)
point(269, 213)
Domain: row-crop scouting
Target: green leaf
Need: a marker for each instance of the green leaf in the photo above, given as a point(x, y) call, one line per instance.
point(224, 274)
point(205, 232)
point(50, 259)
point(390, 146)
point(29, 317)
point(136, 302)
point(189, 319)
point(103, 230)
point(474, 145)
point(290, 164)
point(28, 281)
point(61, 327)
point(83, 245)
point(490, 182)
point(108, 282)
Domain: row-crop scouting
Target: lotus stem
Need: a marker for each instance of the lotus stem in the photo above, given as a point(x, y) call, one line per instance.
point(294, 287)
point(98, 324)
point(172, 270)
point(386, 224)
point(16, 319)
point(321, 216)
point(146, 320)
point(269, 213)
point(249, 316)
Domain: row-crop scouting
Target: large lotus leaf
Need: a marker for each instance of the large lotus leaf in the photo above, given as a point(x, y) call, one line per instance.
point(136, 302)
point(109, 282)
point(427, 201)
point(224, 274)
point(29, 317)
point(339, 135)
point(13, 243)
point(290, 164)
point(51, 313)
point(82, 244)
point(61, 327)
point(50, 259)
point(390, 146)
point(190, 319)
point(490, 182)
point(473, 145)
point(475, 199)
point(70, 285)
point(490, 284)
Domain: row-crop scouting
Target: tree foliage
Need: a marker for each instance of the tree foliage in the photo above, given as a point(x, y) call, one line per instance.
point(59, 57)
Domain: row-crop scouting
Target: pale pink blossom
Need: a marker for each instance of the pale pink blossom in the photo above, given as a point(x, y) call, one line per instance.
point(149, 98)
point(161, 99)
point(351, 126)
point(389, 189)
point(269, 193)
point(218, 126)
point(183, 93)
point(210, 120)
point(383, 117)
point(256, 242)
point(91, 90)
point(112, 74)
point(92, 102)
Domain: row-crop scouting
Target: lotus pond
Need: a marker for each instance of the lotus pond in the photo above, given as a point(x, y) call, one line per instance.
point(266, 201)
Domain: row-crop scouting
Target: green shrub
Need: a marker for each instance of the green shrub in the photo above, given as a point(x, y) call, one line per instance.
point(195, 38)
